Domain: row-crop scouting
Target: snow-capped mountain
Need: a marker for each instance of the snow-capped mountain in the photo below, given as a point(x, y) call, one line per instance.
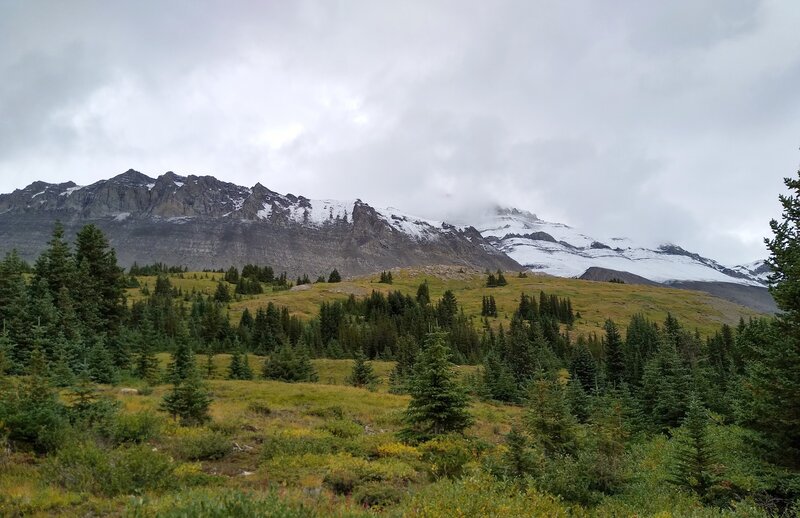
point(560, 250)
point(202, 222)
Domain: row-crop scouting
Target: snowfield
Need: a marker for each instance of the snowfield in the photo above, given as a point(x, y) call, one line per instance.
point(573, 253)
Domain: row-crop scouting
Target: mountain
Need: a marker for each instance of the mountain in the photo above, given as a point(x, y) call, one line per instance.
point(202, 222)
point(560, 250)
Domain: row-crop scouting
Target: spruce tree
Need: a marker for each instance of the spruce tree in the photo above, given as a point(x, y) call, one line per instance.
point(210, 368)
point(423, 294)
point(101, 278)
point(222, 294)
point(61, 373)
point(56, 266)
point(239, 369)
point(583, 366)
point(407, 350)
point(665, 388)
point(182, 362)
point(100, 365)
point(578, 400)
point(5, 354)
point(499, 383)
point(520, 459)
point(189, 400)
point(289, 365)
point(501, 280)
point(693, 462)
point(438, 405)
point(615, 356)
point(446, 309)
point(145, 362)
point(549, 420)
point(334, 276)
point(773, 375)
point(362, 374)
point(33, 413)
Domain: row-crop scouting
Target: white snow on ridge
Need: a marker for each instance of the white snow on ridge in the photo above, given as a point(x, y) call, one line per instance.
point(573, 254)
point(522, 223)
point(322, 211)
point(264, 212)
point(417, 228)
point(71, 190)
point(756, 269)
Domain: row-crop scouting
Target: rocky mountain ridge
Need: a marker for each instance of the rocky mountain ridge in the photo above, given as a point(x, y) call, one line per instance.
point(202, 222)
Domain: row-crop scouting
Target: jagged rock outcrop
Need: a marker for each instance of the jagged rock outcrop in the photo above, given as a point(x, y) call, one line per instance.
point(202, 222)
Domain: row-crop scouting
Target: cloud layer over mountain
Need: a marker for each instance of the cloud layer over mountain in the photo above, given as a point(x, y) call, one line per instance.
point(671, 121)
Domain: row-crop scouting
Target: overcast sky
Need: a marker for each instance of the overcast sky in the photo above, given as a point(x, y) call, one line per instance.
point(662, 121)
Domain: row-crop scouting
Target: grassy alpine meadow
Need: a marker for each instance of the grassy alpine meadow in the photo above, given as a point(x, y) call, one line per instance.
point(595, 301)
point(311, 449)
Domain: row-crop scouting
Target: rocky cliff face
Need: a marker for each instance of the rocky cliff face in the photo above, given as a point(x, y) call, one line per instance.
point(202, 222)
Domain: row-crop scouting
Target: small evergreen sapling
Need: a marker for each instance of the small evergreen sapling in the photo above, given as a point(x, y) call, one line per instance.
point(189, 400)
point(438, 405)
point(693, 463)
point(334, 276)
point(362, 374)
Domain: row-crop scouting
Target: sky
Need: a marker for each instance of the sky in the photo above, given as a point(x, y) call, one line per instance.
point(660, 121)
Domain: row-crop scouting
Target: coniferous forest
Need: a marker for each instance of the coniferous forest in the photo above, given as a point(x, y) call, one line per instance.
point(121, 398)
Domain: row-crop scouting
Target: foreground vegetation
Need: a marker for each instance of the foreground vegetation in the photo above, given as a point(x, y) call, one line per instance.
point(172, 404)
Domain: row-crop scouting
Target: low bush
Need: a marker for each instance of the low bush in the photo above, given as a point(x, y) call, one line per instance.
point(85, 467)
point(217, 504)
point(288, 444)
point(327, 412)
point(446, 456)
point(345, 473)
point(200, 444)
point(377, 495)
point(343, 428)
point(136, 428)
point(479, 496)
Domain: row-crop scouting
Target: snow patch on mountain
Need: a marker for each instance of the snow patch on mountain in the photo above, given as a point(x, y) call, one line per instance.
point(563, 251)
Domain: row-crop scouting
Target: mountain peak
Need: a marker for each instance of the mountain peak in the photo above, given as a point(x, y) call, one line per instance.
point(132, 177)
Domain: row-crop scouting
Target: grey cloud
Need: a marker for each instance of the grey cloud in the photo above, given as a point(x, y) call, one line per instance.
point(671, 121)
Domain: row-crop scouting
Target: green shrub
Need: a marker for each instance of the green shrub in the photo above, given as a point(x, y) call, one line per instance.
point(200, 444)
point(293, 445)
point(343, 428)
point(377, 494)
point(130, 470)
point(136, 428)
point(33, 416)
point(217, 504)
point(138, 468)
point(345, 473)
point(446, 456)
point(342, 479)
point(567, 477)
point(327, 412)
point(479, 496)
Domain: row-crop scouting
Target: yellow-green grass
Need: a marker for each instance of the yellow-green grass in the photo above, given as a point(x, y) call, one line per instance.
point(250, 414)
point(595, 301)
